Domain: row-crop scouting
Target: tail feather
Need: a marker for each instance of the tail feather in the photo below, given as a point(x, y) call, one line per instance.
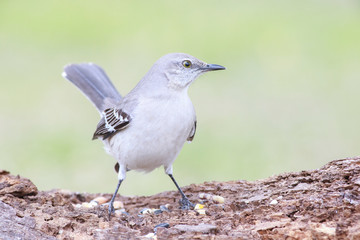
point(93, 82)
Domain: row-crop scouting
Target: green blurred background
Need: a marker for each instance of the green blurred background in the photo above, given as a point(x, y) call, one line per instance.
point(288, 101)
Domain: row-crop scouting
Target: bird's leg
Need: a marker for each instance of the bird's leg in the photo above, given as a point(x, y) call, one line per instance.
point(121, 170)
point(111, 203)
point(184, 202)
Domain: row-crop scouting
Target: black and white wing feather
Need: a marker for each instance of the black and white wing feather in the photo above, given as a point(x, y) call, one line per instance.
point(113, 120)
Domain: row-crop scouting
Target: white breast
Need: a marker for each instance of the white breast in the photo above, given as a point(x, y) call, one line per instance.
point(156, 134)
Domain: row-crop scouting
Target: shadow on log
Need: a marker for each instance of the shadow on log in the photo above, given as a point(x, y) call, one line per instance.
point(318, 204)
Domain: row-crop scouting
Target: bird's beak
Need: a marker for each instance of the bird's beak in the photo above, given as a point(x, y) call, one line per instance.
point(212, 67)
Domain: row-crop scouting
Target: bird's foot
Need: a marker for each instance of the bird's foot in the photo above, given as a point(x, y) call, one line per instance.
point(111, 209)
point(185, 204)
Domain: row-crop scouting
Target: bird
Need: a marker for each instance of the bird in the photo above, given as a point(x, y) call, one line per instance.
point(148, 127)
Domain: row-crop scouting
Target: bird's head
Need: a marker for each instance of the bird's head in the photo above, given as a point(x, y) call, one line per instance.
point(182, 69)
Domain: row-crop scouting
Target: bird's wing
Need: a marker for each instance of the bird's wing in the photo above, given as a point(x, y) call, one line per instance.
point(113, 120)
point(192, 133)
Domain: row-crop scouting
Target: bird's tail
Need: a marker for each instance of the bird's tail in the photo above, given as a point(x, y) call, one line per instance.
point(93, 82)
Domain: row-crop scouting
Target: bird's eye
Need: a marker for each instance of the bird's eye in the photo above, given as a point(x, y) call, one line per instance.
point(186, 63)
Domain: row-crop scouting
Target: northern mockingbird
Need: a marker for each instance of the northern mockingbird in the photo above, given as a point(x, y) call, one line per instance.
point(148, 127)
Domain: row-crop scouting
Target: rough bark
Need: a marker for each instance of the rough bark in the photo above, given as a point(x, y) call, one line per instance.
point(317, 204)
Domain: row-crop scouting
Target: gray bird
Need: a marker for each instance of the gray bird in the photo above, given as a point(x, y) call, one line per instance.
point(148, 127)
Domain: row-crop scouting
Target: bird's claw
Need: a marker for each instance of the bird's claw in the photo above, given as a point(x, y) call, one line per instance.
point(185, 204)
point(111, 210)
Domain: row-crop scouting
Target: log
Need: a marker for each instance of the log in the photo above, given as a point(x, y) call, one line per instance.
point(317, 204)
